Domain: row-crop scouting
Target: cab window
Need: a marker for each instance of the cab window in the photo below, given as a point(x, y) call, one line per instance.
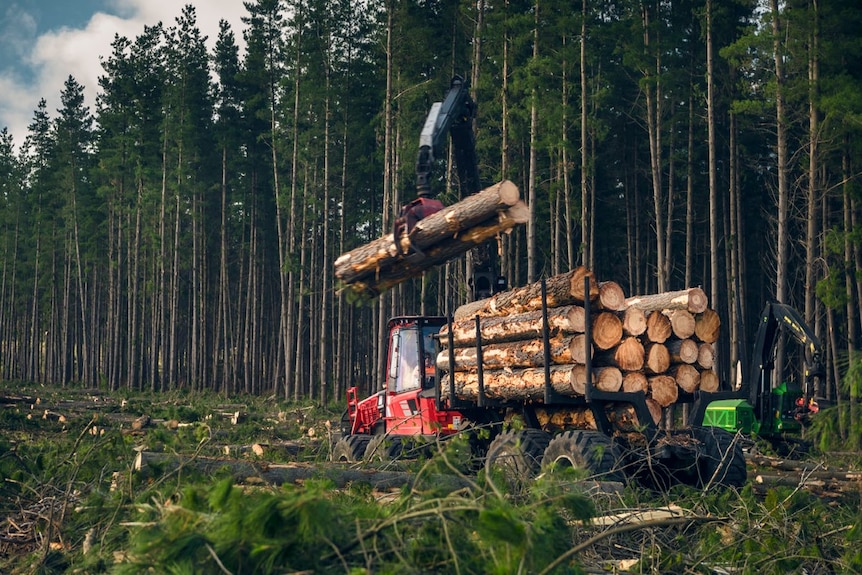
point(406, 357)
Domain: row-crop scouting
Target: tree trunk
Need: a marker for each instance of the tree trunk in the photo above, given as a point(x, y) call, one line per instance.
point(519, 384)
point(564, 289)
point(691, 299)
point(527, 325)
point(658, 327)
point(707, 326)
point(515, 354)
point(663, 389)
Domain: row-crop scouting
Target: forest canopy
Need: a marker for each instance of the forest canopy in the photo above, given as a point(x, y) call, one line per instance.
point(179, 232)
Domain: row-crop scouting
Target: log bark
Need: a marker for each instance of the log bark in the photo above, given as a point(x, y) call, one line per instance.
point(376, 280)
point(528, 325)
point(682, 350)
point(634, 381)
point(663, 389)
point(707, 326)
point(682, 323)
point(607, 330)
point(687, 377)
point(706, 355)
point(634, 321)
point(658, 327)
point(709, 381)
point(563, 289)
point(519, 384)
point(611, 296)
point(515, 354)
point(691, 299)
point(656, 358)
point(450, 221)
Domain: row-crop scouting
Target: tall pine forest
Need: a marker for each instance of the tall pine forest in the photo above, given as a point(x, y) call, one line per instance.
point(180, 231)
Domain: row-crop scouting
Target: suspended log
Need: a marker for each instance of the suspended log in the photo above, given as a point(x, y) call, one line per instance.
point(514, 354)
point(611, 296)
point(706, 355)
point(519, 384)
point(401, 268)
point(634, 381)
point(628, 355)
point(656, 358)
point(707, 326)
point(607, 330)
point(682, 323)
point(682, 350)
point(691, 299)
point(528, 325)
point(563, 289)
point(709, 381)
point(687, 377)
point(634, 321)
point(663, 389)
point(658, 327)
point(450, 221)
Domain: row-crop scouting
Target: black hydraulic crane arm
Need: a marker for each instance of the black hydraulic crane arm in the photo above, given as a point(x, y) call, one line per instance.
point(451, 117)
point(777, 317)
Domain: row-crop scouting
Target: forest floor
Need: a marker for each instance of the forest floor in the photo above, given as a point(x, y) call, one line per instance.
point(90, 477)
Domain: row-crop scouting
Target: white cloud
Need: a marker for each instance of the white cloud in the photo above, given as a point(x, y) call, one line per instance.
point(56, 54)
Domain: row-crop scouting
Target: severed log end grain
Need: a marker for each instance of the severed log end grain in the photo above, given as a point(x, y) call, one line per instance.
point(656, 358)
point(707, 326)
point(608, 379)
point(629, 354)
point(607, 330)
point(634, 321)
point(634, 381)
point(691, 299)
point(611, 296)
point(658, 327)
point(569, 417)
point(682, 350)
point(687, 377)
point(663, 389)
point(706, 355)
point(682, 322)
point(709, 381)
point(578, 278)
point(580, 348)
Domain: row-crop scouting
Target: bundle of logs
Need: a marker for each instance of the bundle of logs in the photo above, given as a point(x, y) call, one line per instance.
point(659, 344)
point(387, 261)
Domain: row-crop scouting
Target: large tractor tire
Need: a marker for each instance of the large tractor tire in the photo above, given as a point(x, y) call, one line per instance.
point(515, 456)
point(350, 448)
point(721, 460)
point(384, 448)
point(588, 450)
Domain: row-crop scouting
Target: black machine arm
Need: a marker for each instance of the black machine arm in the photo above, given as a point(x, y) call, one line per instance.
point(453, 116)
point(775, 318)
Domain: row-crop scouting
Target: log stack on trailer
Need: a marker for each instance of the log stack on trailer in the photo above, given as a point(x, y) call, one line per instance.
point(661, 344)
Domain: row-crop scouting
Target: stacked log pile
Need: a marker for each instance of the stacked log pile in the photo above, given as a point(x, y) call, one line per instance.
point(387, 261)
point(660, 344)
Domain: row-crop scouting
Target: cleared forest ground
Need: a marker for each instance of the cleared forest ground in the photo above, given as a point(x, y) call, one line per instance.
point(97, 482)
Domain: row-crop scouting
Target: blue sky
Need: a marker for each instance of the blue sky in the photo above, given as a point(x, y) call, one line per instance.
point(42, 42)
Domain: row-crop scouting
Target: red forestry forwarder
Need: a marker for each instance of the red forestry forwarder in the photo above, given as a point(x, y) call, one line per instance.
point(611, 434)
